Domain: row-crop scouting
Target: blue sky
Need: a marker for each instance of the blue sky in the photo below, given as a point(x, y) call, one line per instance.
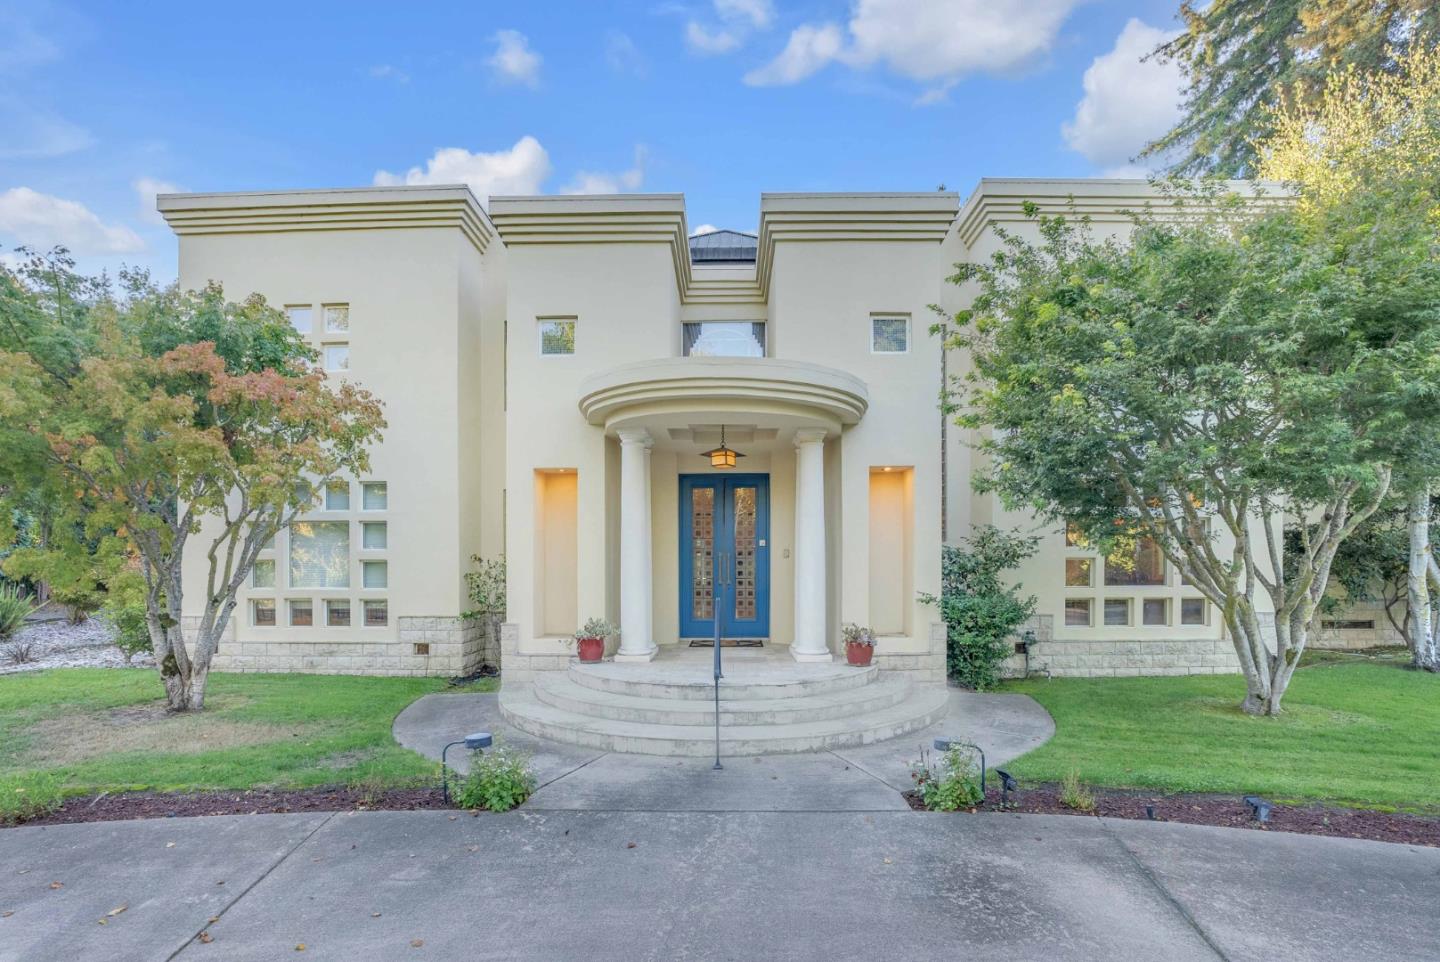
point(101, 104)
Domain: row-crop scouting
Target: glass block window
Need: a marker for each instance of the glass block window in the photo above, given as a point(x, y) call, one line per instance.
point(1073, 537)
point(302, 613)
point(337, 357)
point(374, 574)
point(263, 574)
point(320, 554)
point(337, 496)
point(1144, 565)
point(374, 496)
point(723, 339)
point(1077, 572)
point(1155, 611)
point(262, 612)
point(377, 614)
point(1117, 611)
point(557, 336)
point(337, 318)
point(1192, 611)
point(1077, 613)
point(373, 535)
point(889, 335)
point(337, 612)
point(302, 318)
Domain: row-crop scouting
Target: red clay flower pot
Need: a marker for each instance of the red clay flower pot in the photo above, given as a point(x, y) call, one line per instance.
point(857, 654)
point(590, 649)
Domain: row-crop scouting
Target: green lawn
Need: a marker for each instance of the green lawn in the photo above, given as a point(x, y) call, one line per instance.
point(98, 730)
point(1357, 730)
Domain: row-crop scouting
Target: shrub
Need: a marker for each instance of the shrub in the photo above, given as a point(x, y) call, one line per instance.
point(23, 797)
point(18, 652)
point(980, 612)
point(14, 607)
point(1074, 794)
point(953, 785)
point(498, 781)
point(132, 632)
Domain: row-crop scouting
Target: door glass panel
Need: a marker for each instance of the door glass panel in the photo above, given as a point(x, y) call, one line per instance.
point(702, 547)
point(745, 513)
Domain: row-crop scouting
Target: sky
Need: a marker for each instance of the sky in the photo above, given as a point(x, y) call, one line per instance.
point(102, 105)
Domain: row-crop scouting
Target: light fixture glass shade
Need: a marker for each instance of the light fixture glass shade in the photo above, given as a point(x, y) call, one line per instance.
point(722, 457)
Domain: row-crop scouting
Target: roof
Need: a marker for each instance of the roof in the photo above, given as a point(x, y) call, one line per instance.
point(719, 246)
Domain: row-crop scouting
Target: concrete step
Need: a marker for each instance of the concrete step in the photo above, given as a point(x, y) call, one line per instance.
point(560, 690)
point(920, 708)
point(744, 680)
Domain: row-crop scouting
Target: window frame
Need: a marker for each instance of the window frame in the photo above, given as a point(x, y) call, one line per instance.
point(256, 604)
point(325, 350)
point(542, 322)
point(385, 497)
point(367, 604)
point(290, 318)
point(384, 527)
point(325, 310)
point(333, 604)
point(1105, 613)
point(370, 563)
point(294, 604)
point(890, 316)
point(1089, 604)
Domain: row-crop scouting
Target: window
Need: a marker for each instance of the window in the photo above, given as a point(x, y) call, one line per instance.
point(1348, 625)
point(1077, 572)
point(1143, 565)
point(1077, 613)
point(337, 613)
point(377, 614)
point(373, 535)
point(724, 339)
point(374, 496)
point(262, 612)
point(302, 613)
point(302, 318)
point(1155, 611)
point(305, 494)
point(337, 318)
point(1192, 611)
point(320, 554)
point(269, 544)
point(263, 574)
point(337, 496)
point(557, 336)
point(889, 335)
point(1117, 611)
point(374, 574)
point(337, 357)
point(1073, 537)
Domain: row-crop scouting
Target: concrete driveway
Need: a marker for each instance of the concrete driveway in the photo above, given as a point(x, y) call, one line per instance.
point(599, 886)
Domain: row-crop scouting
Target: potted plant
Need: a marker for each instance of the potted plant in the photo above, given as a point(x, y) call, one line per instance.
point(859, 645)
point(590, 639)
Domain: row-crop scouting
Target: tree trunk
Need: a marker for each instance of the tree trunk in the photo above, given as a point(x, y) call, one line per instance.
point(1424, 648)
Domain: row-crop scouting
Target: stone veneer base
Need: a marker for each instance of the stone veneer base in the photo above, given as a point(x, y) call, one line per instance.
point(457, 647)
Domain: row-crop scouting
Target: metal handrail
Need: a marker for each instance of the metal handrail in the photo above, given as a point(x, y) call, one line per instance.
point(719, 581)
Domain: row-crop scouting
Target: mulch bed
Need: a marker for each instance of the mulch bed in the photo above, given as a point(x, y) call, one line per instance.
point(1228, 811)
point(132, 805)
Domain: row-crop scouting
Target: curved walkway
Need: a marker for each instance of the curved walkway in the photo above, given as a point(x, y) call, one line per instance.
point(869, 778)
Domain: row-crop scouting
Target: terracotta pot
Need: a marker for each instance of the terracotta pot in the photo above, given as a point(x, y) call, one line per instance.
point(590, 649)
point(857, 654)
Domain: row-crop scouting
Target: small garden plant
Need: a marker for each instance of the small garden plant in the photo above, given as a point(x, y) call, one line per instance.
point(596, 628)
point(1074, 794)
point(14, 607)
point(953, 783)
point(498, 781)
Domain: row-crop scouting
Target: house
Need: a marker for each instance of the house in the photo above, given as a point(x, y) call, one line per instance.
point(568, 381)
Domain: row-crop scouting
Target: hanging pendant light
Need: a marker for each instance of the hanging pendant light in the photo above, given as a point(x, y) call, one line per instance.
point(722, 457)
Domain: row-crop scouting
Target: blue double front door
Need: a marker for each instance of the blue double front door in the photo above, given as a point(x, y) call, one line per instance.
point(725, 555)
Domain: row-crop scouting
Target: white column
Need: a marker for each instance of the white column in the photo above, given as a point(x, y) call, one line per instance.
point(810, 642)
point(636, 643)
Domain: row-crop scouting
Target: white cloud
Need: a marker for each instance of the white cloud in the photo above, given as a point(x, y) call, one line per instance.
point(704, 229)
point(42, 221)
point(621, 54)
point(519, 170)
point(513, 61)
point(737, 19)
point(599, 182)
point(758, 12)
point(924, 40)
point(704, 40)
point(387, 71)
point(147, 188)
point(1127, 102)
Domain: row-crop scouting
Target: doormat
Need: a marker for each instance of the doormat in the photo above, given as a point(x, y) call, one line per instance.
point(728, 643)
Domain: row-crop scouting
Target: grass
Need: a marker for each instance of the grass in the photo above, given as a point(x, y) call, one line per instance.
point(104, 730)
point(1357, 730)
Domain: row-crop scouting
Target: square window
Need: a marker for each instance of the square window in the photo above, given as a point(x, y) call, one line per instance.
point(1117, 611)
point(1144, 564)
point(305, 494)
point(374, 496)
point(320, 554)
point(1077, 572)
point(1077, 613)
point(263, 574)
point(337, 357)
point(723, 339)
point(302, 613)
point(337, 318)
point(1073, 537)
point(1192, 611)
point(377, 614)
point(337, 496)
point(889, 335)
point(262, 613)
point(302, 318)
point(1156, 611)
point(337, 613)
point(557, 337)
point(374, 574)
point(373, 535)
